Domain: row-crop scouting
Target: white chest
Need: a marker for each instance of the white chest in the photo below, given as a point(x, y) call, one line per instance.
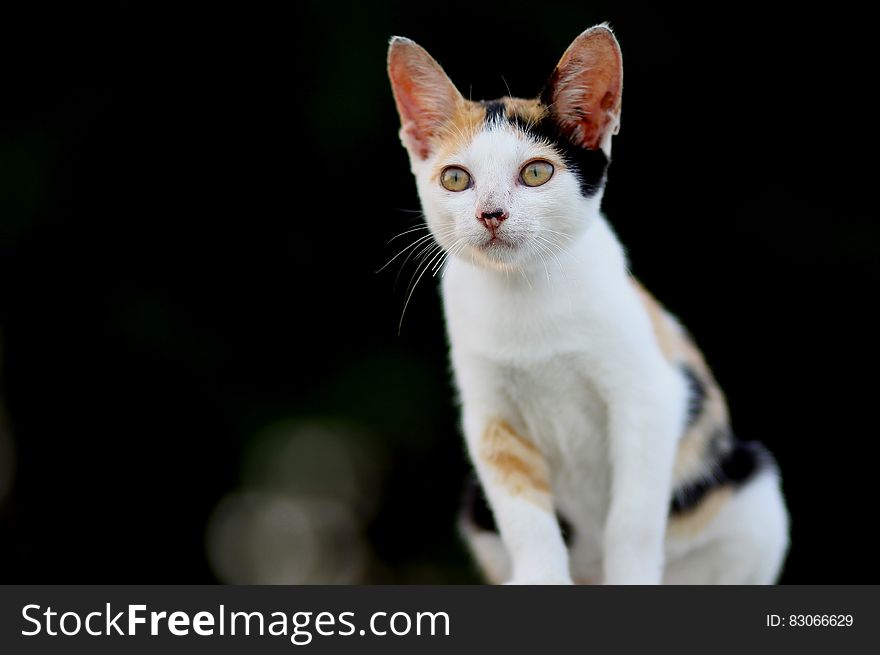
point(560, 406)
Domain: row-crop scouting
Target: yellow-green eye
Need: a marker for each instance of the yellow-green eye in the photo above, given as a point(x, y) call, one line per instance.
point(454, 178)
point(536, 173)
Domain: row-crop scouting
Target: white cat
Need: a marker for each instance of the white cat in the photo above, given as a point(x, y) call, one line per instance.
point(596, 429)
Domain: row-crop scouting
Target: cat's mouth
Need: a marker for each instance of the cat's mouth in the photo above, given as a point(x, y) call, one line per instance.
point(495, 241)
point(496, 249)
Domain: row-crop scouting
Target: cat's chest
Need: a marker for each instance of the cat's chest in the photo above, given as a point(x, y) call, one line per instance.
point(560, 407)
point(562, 411)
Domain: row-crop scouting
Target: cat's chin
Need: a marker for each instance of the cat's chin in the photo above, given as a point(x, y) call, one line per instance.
point(497, 247)
point(497, 254)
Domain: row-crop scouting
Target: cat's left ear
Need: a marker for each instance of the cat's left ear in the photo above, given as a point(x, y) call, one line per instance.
point(585, 89)
point(425, 96)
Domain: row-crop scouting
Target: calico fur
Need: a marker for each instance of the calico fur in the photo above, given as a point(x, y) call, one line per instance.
point(600, 439)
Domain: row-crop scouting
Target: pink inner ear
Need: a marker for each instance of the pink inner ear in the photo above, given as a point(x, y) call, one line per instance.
point(416, 135)
point(586, 88)
point(415, 119)
point(424, 95)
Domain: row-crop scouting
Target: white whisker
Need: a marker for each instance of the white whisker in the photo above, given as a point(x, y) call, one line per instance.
point(405, 232)
point(429, 259)
point(414, 243)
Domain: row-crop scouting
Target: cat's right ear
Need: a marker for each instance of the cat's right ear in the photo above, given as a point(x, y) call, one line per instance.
point(425, 97)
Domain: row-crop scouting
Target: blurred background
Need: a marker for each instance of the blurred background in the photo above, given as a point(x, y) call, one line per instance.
point(202, 381)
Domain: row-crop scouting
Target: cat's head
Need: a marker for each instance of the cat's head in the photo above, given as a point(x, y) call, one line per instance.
point(505, 181)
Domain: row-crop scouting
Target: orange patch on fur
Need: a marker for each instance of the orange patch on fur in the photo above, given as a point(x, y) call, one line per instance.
point(678, 348)
point(690, 457)
point(458, 130)
point(469, 118)
point(516, 463)
point(528, 110)
point(694, 521)
point(664, 330)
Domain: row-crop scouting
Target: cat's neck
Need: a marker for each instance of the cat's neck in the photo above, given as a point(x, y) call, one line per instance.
point(537, 313)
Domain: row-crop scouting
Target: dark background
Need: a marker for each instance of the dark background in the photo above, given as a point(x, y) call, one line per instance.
point(173, 316)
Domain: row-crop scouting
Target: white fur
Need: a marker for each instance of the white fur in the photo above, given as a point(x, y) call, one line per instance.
point(549, 334)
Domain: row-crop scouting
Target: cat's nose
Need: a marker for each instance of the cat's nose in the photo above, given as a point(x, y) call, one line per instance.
point(492, 219)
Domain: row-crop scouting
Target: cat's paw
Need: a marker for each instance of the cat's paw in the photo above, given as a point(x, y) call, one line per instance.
point(540, 580)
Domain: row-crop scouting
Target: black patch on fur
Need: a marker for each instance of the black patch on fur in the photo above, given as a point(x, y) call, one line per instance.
point(477, 512)
point(495, 110)
point(735, 463)
point(565, 528)
point(476, 507)
point(696, 394)
point(590, 166)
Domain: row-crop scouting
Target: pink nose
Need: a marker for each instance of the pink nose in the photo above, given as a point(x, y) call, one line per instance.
point(491, 220)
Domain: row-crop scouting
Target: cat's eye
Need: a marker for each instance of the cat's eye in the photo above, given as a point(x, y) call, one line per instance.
point(536, 173)
point(454, 178)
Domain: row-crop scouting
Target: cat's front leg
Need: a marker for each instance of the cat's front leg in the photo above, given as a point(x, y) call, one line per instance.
point(645, 421)
point(516, 479)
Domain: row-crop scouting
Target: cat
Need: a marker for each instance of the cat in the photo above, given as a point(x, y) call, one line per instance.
point(599, 437)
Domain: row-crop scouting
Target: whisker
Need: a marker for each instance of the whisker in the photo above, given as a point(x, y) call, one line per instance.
point(416, 284)
point(445, 234)
point(405, 232)
point(456, 253)
point(567, 285)
point(439, 265)
point(414, 243)
point(419, 257)
point(507, 86)
point(544, 249)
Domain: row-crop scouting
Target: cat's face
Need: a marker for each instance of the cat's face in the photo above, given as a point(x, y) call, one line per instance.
point(510, 182)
